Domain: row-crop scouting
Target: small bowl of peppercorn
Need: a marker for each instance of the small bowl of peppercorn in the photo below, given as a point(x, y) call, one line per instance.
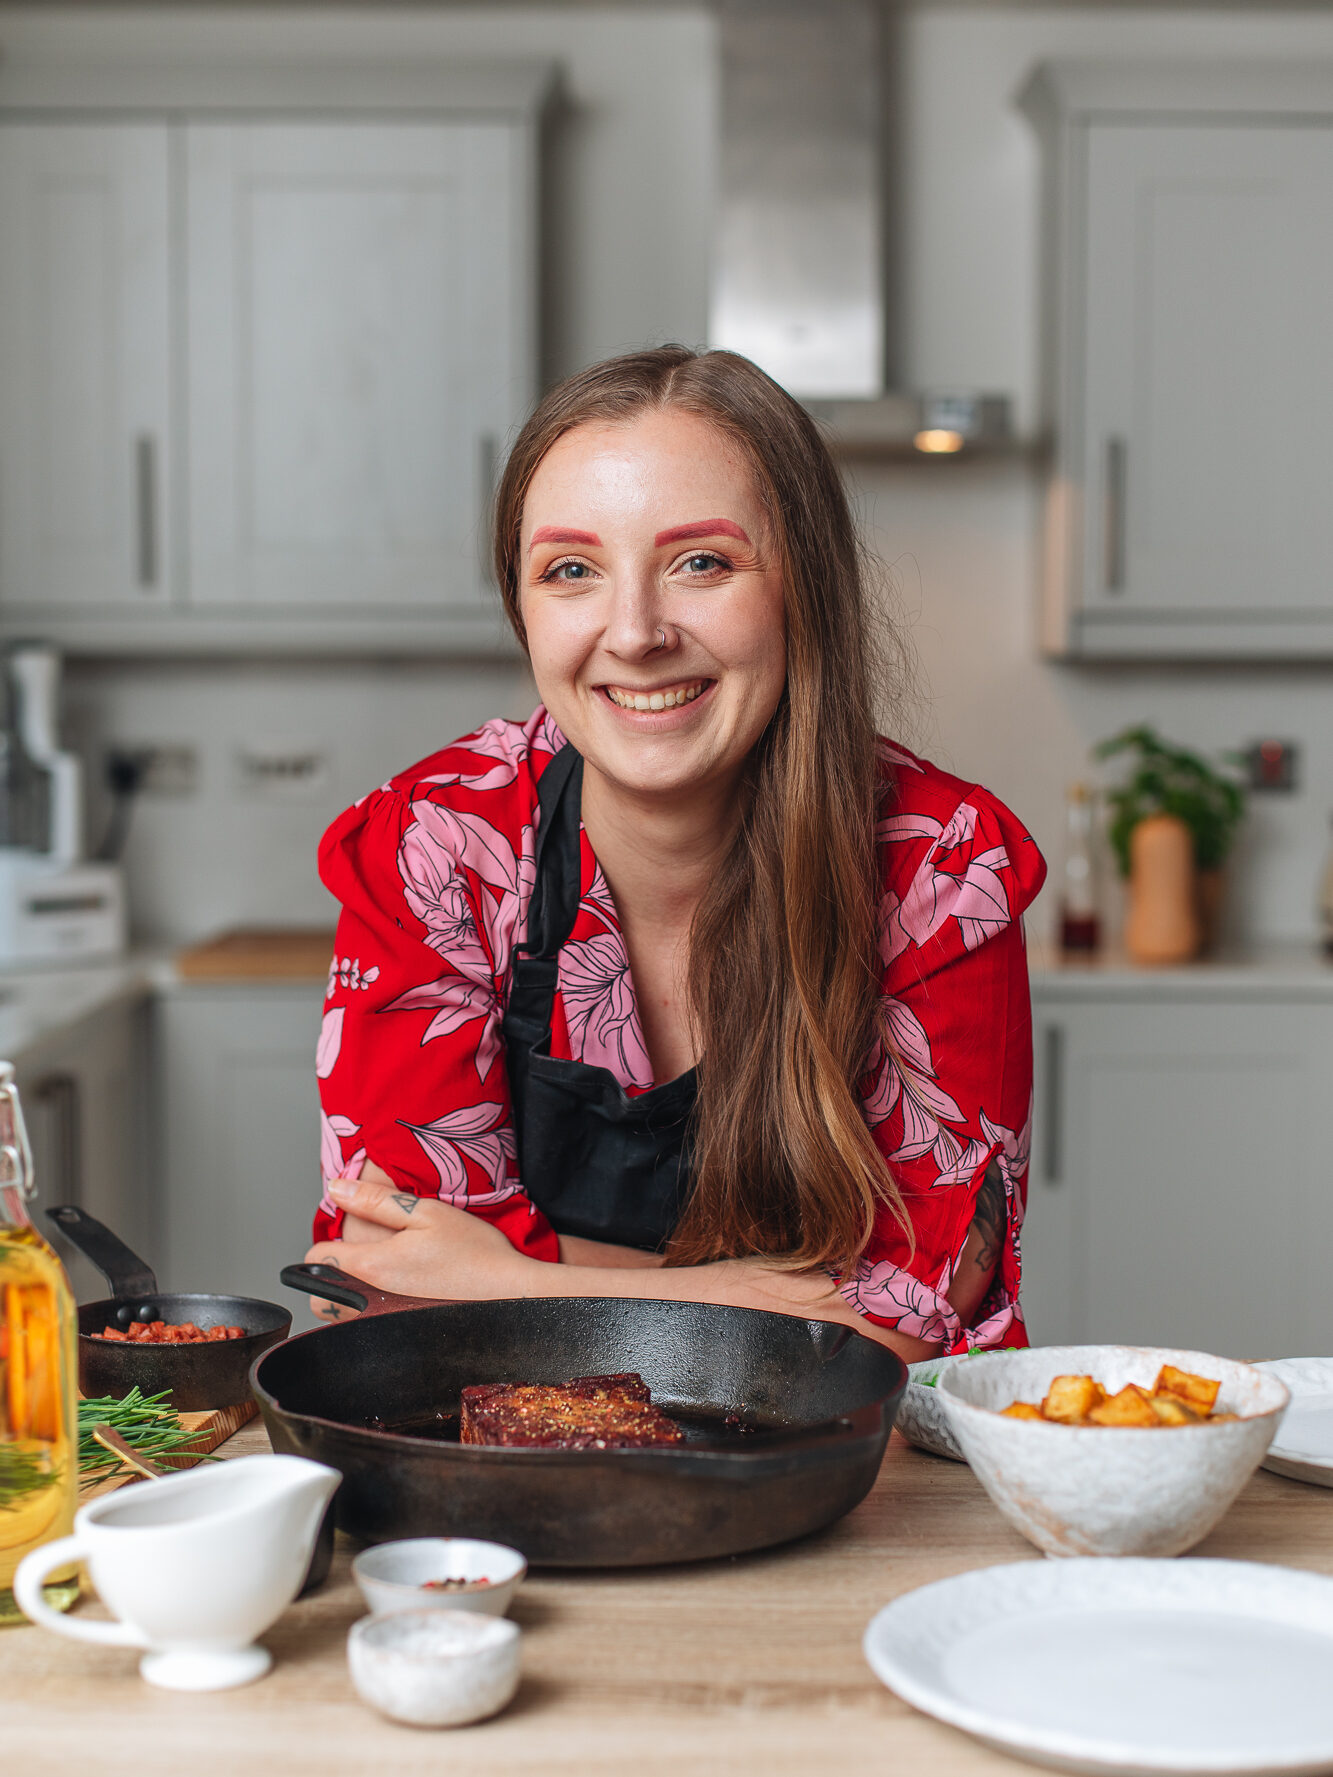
point(439, 1573)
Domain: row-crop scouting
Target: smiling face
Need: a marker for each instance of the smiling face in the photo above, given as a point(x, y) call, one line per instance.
point(632, 533)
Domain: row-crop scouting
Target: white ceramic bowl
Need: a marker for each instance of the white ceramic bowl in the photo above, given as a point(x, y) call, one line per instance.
point(434, 1669)
point(1108, 1490)
point(394, 1576)
point(921, 1415)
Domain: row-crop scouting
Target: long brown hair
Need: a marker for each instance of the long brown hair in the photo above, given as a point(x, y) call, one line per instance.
point(783, 949)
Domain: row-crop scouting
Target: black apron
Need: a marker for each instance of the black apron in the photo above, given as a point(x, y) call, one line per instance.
point(596, 1162)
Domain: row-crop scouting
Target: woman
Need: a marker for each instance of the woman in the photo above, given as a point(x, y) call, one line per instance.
point(688, 987)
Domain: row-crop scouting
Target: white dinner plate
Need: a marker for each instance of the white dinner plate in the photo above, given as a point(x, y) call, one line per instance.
point(1303, 1447)
point(1122, 1665)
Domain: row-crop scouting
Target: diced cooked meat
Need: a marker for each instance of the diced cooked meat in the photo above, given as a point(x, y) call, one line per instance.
point(588, 1413)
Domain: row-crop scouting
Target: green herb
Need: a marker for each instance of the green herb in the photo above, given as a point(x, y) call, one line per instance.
point(23, 1470)
point(1170, 780)
point(148, 1425)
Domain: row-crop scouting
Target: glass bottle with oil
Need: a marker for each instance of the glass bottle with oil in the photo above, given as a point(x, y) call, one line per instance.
point(39, 1451)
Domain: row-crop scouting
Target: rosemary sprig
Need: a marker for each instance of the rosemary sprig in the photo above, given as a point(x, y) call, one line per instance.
point(147, 1424)
point(23, 1471)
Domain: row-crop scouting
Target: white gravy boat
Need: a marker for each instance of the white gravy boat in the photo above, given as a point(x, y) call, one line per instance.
point(193, 1566)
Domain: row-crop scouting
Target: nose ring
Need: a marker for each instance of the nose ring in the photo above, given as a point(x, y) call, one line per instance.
point(662, 641)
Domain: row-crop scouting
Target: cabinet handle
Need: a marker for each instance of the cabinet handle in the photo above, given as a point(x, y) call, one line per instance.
point(487, 455)
point(59, 1093)
point(1052, 1159)
point(1114, 514)
point(145, 509)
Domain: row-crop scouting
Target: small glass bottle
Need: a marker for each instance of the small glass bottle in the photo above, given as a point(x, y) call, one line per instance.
point(1080, 919)
point(39, 1449)
point(1326, 907)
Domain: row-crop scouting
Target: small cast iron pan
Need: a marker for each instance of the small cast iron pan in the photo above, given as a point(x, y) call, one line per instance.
point(786, 1422)
point(199, 1376)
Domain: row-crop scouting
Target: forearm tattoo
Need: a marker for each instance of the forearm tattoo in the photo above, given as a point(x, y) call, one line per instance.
point(991, 1217)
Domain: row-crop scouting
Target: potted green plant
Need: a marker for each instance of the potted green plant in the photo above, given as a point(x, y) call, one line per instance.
point(1167, 780)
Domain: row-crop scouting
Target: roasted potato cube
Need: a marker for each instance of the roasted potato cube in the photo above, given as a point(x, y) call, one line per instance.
point(1198, 1391)
point(1071, 1398)
point(1020, 1410)
point(1130, 1407)
point(1170, 1410)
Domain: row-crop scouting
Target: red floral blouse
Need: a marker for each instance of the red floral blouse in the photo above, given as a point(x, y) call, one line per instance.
point(434, 871)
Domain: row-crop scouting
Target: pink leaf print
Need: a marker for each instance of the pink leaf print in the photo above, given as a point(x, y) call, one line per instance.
point(907, 1079)
point(890, 1293)
point(333, 1131)
point(435, 892)
point(330, 1043)
point(598, 901)
point(505, 742)
point(544, 733)
point(965, 1162)
point(981, 906)
point(896, 756)
point(505, 918)
point(459, 1002)
point(898, 827)
point(905, 1036)
point(599, 1006)
point(480, 1133)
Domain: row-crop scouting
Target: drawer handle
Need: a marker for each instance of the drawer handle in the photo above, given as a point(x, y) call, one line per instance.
point(145, 509)
point(1116, 462)
point(1052, 1159)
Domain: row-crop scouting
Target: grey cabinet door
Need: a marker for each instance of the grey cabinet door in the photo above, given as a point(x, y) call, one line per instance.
point(358, 296)
point(1208, 412)
point(85, 402)
point(86, 1101)
point(240, 1170)
point(1180, 1191)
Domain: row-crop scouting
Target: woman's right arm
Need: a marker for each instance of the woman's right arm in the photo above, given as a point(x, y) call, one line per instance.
point(601, 1255)
point(411, 1073)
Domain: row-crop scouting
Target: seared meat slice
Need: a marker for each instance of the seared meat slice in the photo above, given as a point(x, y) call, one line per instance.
point(587, 1413)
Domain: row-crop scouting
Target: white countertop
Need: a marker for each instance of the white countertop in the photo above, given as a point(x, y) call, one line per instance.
point(1290, 970)
point(39, 1005)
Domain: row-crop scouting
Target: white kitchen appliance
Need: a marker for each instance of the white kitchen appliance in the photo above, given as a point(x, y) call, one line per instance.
point(53, 906)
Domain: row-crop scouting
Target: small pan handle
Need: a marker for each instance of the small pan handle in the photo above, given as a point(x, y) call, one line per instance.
point(339, 1286)
point(125, 1271)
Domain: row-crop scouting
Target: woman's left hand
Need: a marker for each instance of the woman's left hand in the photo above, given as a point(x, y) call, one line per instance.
point(429, 1248)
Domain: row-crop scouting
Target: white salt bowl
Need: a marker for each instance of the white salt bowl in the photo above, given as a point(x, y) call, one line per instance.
point(1103, 1489)
point(434, 1668)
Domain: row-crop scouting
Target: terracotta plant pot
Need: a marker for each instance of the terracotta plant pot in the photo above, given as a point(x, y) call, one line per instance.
point(1163, 923)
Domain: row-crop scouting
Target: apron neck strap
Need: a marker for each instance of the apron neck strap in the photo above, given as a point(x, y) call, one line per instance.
point(555, 896)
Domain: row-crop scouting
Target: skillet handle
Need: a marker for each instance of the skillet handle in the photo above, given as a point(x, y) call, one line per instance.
point(125, 1272)
point(338, 1286)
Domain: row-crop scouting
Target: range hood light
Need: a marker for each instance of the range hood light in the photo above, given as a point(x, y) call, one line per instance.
point(938, 440)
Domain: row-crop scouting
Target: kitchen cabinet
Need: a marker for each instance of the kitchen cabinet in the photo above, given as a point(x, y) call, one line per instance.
point(1190, 252)
point(86, 436)
point(240, 1132)
point(260, 352)
point(86, 1094)
point(1178, 1192)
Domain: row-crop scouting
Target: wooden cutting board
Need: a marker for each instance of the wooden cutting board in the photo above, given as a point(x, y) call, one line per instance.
point(213, 1428)
point(259, 954)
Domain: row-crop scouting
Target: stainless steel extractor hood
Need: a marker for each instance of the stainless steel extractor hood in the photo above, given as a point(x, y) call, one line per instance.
point(798, 278)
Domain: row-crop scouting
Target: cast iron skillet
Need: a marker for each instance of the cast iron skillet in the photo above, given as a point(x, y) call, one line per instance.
point(820, 1400)
point(199, 1376)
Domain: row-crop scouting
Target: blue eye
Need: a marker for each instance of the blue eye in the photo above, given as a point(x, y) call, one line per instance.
point(568, 571)
point(703, 563)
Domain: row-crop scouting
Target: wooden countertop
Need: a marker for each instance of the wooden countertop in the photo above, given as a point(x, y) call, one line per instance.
point(751, 1665)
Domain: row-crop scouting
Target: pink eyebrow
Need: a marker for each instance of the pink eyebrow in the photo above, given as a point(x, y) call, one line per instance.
point(554, 533)
point(708, 527)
